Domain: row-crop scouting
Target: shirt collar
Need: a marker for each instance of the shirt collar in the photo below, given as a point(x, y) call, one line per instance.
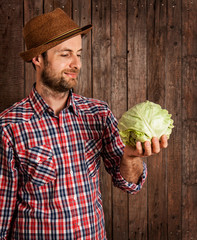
point(40, 106)
point(72, 103)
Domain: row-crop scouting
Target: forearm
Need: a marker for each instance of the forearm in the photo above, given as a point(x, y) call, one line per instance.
point(131, 168)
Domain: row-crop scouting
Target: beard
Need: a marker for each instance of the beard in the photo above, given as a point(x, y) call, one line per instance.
point(58, 82)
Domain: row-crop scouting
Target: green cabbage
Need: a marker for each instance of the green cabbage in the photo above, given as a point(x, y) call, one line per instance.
point(143, 122)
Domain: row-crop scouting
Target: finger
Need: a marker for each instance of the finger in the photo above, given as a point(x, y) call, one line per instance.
point(164, 141)
point(139, 148)
point(155, 145)
point(147, 148)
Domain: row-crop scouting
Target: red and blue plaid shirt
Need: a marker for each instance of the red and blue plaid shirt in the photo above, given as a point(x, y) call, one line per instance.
point(49, 168)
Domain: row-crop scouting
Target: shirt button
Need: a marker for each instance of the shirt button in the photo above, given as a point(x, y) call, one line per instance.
point(71, 172)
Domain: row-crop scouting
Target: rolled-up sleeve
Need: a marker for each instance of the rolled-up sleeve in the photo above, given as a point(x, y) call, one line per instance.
point(8, 184)
point(112, 154)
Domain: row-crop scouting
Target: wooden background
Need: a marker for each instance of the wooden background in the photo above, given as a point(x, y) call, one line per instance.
point(138, 49)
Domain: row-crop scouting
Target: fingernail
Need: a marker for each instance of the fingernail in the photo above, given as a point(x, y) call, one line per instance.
point(147, 143)
point(154, 139)
point(138, 144)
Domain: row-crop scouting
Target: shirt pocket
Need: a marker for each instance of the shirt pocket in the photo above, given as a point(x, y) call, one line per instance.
point(37, 164)
point(92, 155)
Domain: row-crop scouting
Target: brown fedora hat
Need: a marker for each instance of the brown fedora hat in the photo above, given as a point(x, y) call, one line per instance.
point(48, 30)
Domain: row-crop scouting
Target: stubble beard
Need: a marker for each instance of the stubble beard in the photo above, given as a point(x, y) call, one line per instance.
point(56, 83)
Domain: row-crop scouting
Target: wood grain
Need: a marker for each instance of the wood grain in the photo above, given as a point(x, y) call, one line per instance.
point(11, 44)
point(137, 77)
point(189, 119)
point(173, 105)
point(66, 5)
point(82, 16)
point(156, 50)
point(189, 209)
point(119, 103)
point(101, 81)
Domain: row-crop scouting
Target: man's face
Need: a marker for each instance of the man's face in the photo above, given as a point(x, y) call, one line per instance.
point(62, 65)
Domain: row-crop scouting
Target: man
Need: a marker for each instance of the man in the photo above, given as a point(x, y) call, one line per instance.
point(52, 142)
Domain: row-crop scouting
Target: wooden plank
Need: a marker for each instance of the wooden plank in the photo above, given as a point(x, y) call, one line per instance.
point(189, 142)
point(189, 209)
point(137, 40)
point(31, 9)
point(189, 54)
point(189, 17)
point(189, 86)
point(137, 93)
point(66, 5)
point(101, 66)
point(173, 105)
point(48, 5)
point(101, 47)
point(82, 16)
point(11, 44)
point(189, 152)
point(138, 215)
point(189, 116)
point(157, 199)
point(119, 103)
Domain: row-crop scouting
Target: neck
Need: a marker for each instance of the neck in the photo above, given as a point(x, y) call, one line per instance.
point(56, 101)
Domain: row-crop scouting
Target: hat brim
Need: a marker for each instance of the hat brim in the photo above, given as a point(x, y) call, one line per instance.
point(33, 52)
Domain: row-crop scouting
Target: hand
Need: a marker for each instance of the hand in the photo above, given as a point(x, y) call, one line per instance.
point(131, 166)
point(149, 149)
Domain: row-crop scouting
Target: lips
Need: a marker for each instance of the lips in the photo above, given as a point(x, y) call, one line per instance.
point(71, 74)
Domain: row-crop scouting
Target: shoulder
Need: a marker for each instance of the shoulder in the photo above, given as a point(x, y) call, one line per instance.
point(90, 105)
point(19, 112)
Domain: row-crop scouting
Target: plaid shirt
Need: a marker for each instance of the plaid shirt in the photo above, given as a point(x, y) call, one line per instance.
point(49, 175)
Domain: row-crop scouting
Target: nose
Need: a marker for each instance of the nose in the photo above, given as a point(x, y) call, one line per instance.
point(75, 62)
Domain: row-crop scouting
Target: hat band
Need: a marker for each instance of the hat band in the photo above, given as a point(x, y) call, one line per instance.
point(63, 35)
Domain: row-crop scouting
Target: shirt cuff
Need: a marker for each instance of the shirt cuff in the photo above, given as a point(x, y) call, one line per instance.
point(130, 187)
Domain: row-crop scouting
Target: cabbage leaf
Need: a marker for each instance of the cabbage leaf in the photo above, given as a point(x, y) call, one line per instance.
point(143, 122)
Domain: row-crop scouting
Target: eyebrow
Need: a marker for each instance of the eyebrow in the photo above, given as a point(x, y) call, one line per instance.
point(68, 50)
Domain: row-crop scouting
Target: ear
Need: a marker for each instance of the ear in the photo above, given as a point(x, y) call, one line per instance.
point(37, 61)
